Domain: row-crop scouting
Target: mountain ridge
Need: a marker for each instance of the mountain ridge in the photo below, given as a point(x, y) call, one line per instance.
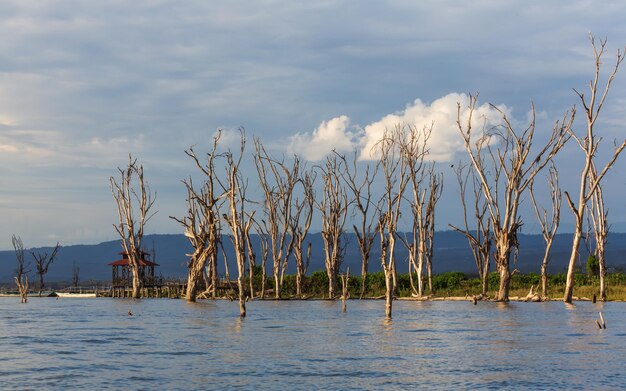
point(451, 253)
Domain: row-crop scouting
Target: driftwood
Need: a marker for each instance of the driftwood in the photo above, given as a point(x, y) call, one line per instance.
point(532, 295)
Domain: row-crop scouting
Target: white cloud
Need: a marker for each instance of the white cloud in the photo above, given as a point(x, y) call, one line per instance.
point(333, 134)
point(441, 114)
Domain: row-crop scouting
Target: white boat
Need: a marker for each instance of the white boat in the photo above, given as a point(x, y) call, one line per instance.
point(75, 295)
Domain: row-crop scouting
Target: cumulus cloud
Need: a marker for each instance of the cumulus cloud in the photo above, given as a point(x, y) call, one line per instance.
point(441, 114)
point(334, 134)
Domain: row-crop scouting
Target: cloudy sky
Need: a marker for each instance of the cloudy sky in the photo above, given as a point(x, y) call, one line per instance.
point(82, 84)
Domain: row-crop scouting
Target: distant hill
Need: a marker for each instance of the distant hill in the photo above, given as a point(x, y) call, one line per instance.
point(451, 253)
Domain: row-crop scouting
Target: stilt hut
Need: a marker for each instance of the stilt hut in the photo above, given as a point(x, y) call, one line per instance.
point(123, 277)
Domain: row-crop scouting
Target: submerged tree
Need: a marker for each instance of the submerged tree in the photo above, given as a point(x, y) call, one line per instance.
point(333, 207)
point(479, 238)
point(589, 143)
point(365, 227)
point(278, 182)
point(236, 218)
point(201, 222)
point(395, 181)
point(502, 162)
point(299, 226)
point(21, 270)
point(549, 222)
point(425, 189)
point(42, 262)
point(599, 217)
point(134, 203)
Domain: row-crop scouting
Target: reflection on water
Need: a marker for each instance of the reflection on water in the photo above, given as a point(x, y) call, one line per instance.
point(169, 344)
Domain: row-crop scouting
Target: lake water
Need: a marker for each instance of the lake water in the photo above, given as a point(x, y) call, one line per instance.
point(172, 345)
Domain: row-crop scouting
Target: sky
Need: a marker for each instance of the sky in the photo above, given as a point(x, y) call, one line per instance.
point(83, 84)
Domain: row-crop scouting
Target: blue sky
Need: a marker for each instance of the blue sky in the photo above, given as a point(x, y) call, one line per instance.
point(82, 84)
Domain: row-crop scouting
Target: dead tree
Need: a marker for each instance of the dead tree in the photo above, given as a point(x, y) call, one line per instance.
point(395, 181)
point(333, 207)
point(300, 224)
point(201, 222)
point(265, 249)
point(365, 228)
point(599, 217)
point(250, 252)
point(501, 159)
point(278, 182)
point(42, 262)
point(479, 239)
point(345, 295)
point(22, 269)
point(425, 188)
point(589, 143)
point(236, 219)
point(549, 222)
point(436, 189)
point(134, 204)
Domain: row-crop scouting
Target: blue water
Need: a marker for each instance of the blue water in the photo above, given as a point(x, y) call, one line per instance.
point(171, 345)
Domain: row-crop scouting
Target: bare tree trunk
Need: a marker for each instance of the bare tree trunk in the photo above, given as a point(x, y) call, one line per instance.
point(505, 281)
point(589, 144)
point(544, 274)
point(345, 280)
point(278, 183)
point(131, 217)
point(569, 282)
point(333, 208)
point(395, 176)
point(485, 280)
point(502, 163)
point(21, 270)
point(388, 295)
point(420, 273)
point(549, 222)
point(201, 222)
point(42, 263)
point(360, 187)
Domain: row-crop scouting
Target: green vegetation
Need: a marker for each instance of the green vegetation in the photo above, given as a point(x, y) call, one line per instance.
point(451, 284)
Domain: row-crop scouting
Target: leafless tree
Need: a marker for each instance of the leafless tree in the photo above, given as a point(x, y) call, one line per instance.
point(22, 269)
point(237, 218)
point(278, 182)
point(42, 262)
point(425, 191)
point(589, 143)
point(599, 217)
point(333, 207)
point(395, 181)
point(300, 224)
point(265, 249)
point(436, 189)
point(479, 239)
point(134, 204)
point(365, 227)
point(549, 222)
point(501, 160)
point(201, 222)
point(251, 253)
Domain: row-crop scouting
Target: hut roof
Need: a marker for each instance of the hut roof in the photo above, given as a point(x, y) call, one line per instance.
point(124, 262)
